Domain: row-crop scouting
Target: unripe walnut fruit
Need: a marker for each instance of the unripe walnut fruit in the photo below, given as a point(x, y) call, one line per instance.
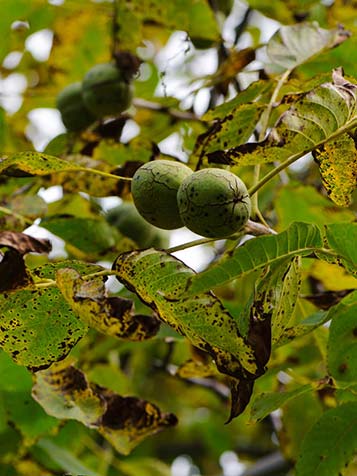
point(154, 190)
point(74, 113)
point(214, 203)
point(105, 90)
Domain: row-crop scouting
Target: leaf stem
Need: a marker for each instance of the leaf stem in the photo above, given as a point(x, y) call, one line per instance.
point(99, 274)
point(45, 283)
point(104, 174)
point(251, 228)
point(190, 244)
point(7, 211)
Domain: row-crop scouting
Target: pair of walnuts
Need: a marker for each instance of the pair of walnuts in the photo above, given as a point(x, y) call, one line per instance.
point(104, 91)
point(211, 202)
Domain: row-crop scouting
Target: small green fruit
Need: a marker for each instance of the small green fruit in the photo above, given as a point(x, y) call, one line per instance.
point(74, 113)
point(154, 190)
point(130, 223)
point(105, 90)
point(214, 203)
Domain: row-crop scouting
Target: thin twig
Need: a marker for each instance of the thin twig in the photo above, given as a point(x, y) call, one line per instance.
point(175, 113)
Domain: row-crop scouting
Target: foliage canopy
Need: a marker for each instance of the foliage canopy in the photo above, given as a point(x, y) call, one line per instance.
point(264, 335)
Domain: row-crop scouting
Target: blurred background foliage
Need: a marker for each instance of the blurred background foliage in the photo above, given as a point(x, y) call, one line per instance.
point(194, 55)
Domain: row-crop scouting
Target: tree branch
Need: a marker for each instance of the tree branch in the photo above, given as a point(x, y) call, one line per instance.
point(175, 113)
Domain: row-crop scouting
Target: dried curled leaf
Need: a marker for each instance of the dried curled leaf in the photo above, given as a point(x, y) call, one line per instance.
point(64, 392)
point(13, 272)
point(23, 243)
point(113, 316)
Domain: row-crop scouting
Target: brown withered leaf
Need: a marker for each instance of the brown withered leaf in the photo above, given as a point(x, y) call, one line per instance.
point(128, 420)
point(113, 316)
point(13, 272)
point(64, 392)
point(326, 299)
point(23, 243)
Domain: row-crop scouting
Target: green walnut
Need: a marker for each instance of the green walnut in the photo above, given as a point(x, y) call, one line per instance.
point(130, 223)
point(74, 113)
point(214, 203)
point(105, 90)
point(154, 189)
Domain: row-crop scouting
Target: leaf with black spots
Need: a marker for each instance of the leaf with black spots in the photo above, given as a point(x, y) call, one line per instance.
point(37, 325)
point(113, 316)
point(313, 119)
point(24, 164)
point(160, 280)
point(337, 160)
point(64, 392)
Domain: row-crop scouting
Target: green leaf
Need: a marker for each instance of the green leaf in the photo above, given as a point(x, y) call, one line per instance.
point(86, 26)
point(280, 10)
point(297, 202)
point(64, 392)
point(314, 118)
point(81, 179)
point(64, 458)
point(277, 293)
point(300, 239)
point(21, 411)
point(113, 316)
point(234, 129)
point(194, 17)
point(22, 164)
point(257, 91)
point(234, 120)
point(306, 326)
point(342, 238)
point(293, 45)
point(337, 161)
point(265, 403)
point(330, 444)
point(342, 341)
point(85, 237)
point(38, 327)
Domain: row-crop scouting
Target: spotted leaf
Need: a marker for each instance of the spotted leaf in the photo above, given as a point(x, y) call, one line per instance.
point(65, 392)
point(113, 316)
